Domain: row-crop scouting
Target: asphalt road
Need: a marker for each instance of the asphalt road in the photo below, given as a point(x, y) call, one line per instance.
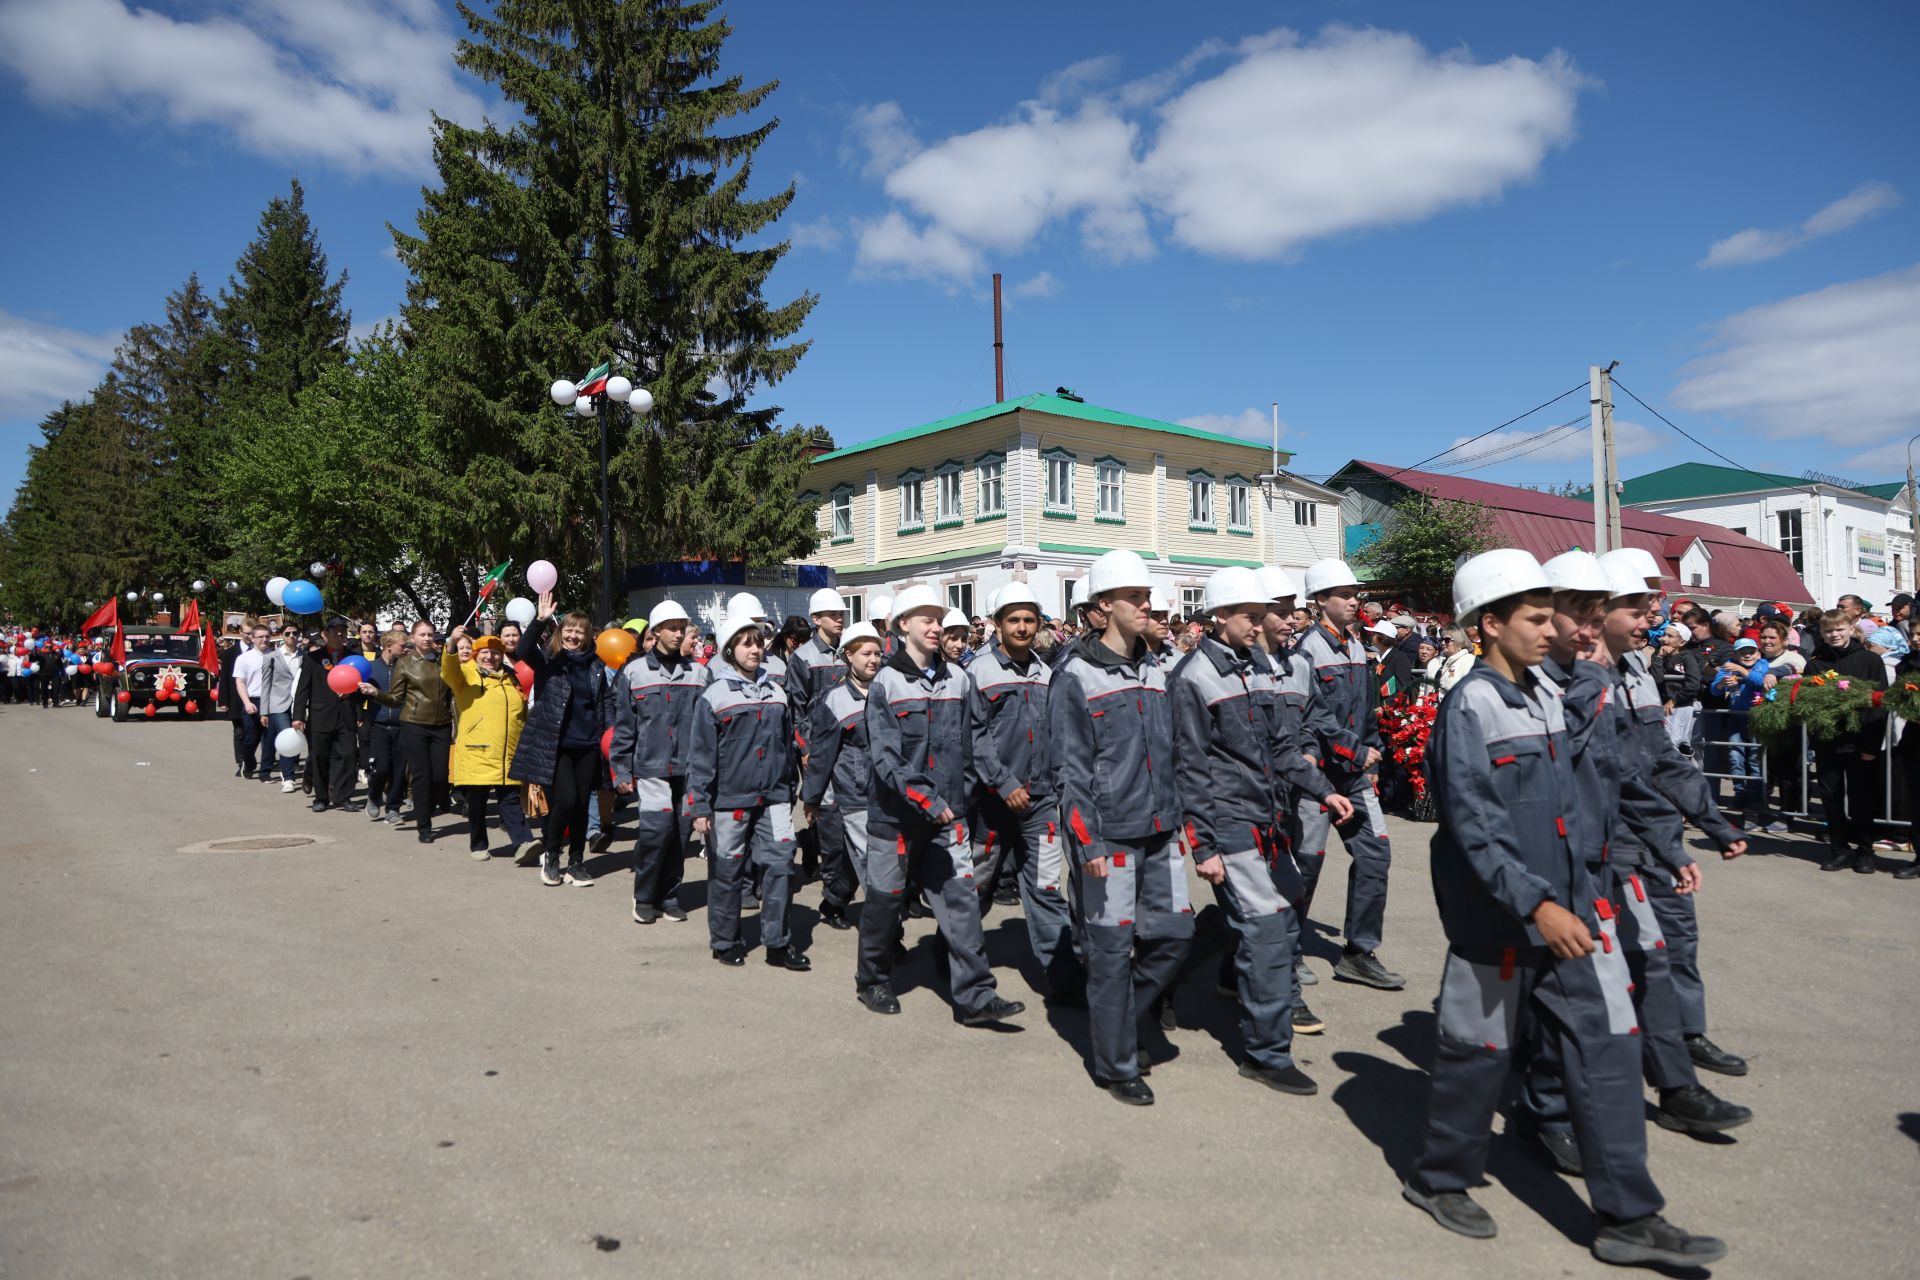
point(370, 1058)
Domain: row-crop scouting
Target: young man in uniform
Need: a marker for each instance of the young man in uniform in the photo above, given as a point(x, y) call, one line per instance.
point(837, 771)
point(1113, 752)
point(1528, 939)
point(1234, 768)
point(1342, 715)
point(1016, 819)
point(1628, 820)
point(655, 698)
point(1679, 781)
point(920, 732)
point(812, 669)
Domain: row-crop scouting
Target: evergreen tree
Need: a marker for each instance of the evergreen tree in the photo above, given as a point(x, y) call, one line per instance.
point(280, 320)
point(170, 378)
point(1422, 540)
point(610, 223)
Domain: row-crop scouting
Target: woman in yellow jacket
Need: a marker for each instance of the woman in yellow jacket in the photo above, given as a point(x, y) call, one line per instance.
point(489, 711)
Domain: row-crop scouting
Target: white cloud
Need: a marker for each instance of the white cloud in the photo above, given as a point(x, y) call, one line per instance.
point(1044, 285)
point(347, 82)
point(820, 233)
point(1550, 444)
point(892, 246)
point(1293, 140)
point(1755, 244)
point(880, 140)
point(1836, 365)
point(42, 364)
point(1248, 424)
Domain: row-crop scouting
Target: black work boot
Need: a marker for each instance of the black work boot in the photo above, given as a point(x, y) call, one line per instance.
point(1709, 1056)
point(1697, 1109)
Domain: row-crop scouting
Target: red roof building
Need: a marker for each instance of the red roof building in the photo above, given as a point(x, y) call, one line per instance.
point(1704, 562)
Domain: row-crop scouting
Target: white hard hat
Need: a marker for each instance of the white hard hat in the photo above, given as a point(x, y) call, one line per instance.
point(738, 620)
point(1117, 570)
point(1577, 571)
point(1325, 575)
point(666, 611)
point(1231, 586)
point(747, 604)
point(1495, 575)
point(826, 600)
point(858, 631)
point(1384, 628)
point(1078, 596)
point(1157, 601)
point(955, 618)
point(1012, 594)
point(882, 607)
point(1276, 582)
point(914, 599)
point(1622, 580)
point(1639, 562)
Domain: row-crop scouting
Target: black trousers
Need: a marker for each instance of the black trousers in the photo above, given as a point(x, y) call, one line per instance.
point(386, 776)
point(665, 826)
point(576, 776)
point(332, 759)
point(476, 801)
point(246, 743)
point(1850, 795)
point(425, 748)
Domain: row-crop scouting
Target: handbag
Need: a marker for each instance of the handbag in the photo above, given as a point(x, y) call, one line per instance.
point(533, 800)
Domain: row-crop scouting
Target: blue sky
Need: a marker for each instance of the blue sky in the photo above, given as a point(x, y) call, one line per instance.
point(1403, 222)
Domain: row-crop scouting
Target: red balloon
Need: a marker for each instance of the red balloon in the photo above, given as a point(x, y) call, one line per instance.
point(103, 668)
point(343, 680)
point(524, 674)
point(123, 696)
point(83, 669)
point(193, 708)
point(152, 711)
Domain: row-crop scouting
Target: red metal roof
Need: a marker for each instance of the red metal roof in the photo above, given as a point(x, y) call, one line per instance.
point(1546, 525)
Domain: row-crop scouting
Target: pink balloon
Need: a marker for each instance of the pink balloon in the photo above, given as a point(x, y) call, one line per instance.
point(343, 680)
point(542, 576)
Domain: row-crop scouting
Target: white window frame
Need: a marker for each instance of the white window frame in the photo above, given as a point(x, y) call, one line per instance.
point(990, 485)
point(1239, 504)
point(1306, 512)
point(1193, 601)
point(1200, 484)
point(947, 482)
point(1110, 475)
point(1793, 546)
point(1050, 504)
point(842, 503)
point(960, 596)
point(856, 606)
point(912, 482)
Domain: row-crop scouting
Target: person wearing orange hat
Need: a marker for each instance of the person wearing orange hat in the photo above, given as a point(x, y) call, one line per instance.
point(489, 713)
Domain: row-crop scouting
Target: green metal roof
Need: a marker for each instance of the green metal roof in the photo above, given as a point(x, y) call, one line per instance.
point(1042, 402)
point(1888, 491)
point(1704, 480)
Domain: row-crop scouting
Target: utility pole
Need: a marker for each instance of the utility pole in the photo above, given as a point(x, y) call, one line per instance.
point(1913, 518)
point(1606, 466)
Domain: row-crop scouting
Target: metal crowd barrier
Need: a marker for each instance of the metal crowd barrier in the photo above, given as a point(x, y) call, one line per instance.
point(1721, 750)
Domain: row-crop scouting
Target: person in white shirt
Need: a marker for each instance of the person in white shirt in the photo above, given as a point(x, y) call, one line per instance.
point(248, 731)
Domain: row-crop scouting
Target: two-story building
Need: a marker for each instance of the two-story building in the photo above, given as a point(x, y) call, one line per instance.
point(1842, 539)
point(1032, 489)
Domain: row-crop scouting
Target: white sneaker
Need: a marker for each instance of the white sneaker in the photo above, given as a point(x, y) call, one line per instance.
point(289, 787)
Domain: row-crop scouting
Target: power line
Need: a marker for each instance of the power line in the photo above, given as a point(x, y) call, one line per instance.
point(1552, 435)
point(1772, 481)
point(1413, 466)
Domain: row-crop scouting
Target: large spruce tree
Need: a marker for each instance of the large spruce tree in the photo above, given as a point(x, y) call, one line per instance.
point(280, 320)
point(613, 221)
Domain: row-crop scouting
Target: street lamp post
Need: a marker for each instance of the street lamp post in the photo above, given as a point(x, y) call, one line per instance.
point(631, 400)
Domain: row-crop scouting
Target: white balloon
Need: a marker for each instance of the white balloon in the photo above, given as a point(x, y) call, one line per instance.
point(291, 742)
point(277, 590)
point(542, 576)
point(73, 669)
point(521, 610)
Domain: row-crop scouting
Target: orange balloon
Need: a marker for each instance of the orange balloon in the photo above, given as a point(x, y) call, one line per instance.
point(615, 645)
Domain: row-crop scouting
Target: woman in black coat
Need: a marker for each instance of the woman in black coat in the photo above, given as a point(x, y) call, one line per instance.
point(1848, 765)
point(560, 745)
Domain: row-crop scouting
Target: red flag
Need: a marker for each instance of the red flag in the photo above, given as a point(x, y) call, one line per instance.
point(190, 620)
point(119, 653)
point(209, 651)
point(107, 615)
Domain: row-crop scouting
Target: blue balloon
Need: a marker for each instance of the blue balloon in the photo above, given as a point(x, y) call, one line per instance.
point(301, 597)
point(359, 664)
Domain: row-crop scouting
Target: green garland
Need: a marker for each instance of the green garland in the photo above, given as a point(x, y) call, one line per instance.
point(1826, 706)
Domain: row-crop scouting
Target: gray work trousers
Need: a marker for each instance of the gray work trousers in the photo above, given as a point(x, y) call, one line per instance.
point(1138, 925)
point(1681, 929)
point(938, 860)
point(1365, 838)
point(763, 837)
point(1034, 845)
point(1257, 897)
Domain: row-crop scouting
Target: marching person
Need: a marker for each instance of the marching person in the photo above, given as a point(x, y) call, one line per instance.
point(1679, 781)
point(386, 771)
point(1234, 764)
point(880, 614)
point(1592, 608)
point(425, 705)
point(330, 721)
point(838, 770)
point(655, 701)
point(560, 745)
point(813, 667)
point(249, 667)
point(490, 713)
point(1528, 941)
point(1016, 813)
point(280, 676)
point(919, 732)
point(1342, 717)
point(1111, 724)
point(746, 605)
point(740, 775)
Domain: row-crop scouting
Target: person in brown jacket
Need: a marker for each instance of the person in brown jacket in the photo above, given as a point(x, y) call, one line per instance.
point(426, 724)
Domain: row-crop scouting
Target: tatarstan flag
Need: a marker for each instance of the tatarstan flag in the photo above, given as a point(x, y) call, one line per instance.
point(595, 382)
point(499, 571)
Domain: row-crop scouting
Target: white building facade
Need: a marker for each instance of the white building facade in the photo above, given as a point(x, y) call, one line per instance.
point(1032, 490)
